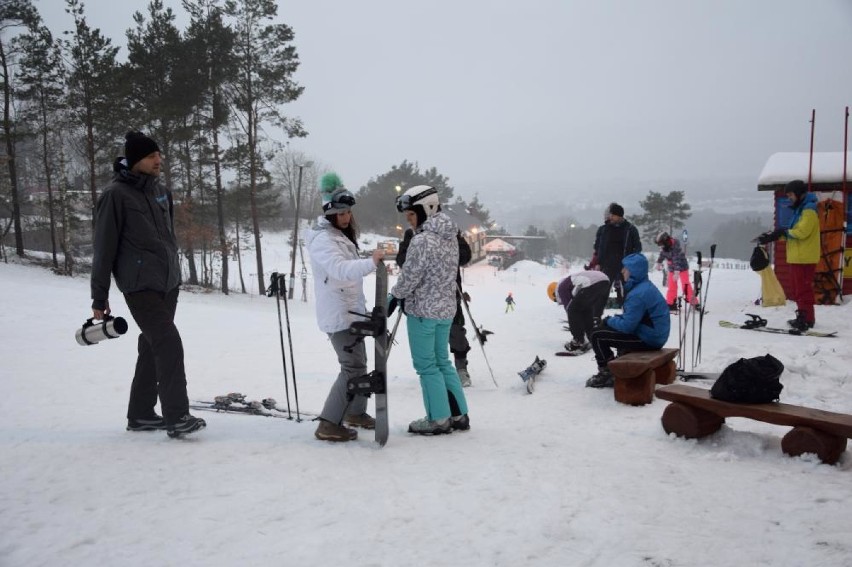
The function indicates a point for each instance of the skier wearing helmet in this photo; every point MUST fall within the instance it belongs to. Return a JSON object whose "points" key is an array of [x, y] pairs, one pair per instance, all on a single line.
{"points": [[676, 263], [427, 283]]}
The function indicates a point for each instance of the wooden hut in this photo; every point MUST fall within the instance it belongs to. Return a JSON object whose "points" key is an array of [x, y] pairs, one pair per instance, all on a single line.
{"points": [[834, 272]]}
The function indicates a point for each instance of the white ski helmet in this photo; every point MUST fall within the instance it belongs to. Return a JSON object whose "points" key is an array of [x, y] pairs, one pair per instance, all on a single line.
{"points": [[425, 196]]}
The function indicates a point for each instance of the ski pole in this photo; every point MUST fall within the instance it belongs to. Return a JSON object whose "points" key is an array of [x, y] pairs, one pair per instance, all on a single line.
{"points": [[704, 302], [292, 358], [392, 337], [480, 335], [275, 288]]}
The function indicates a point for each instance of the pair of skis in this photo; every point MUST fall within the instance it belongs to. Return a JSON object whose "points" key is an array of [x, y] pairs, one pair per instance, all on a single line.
{"points": [[236, 402]]}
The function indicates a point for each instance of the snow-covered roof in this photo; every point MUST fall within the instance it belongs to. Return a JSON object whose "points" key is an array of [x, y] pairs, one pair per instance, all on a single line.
{"points": [[784, 167], [498, 245]]}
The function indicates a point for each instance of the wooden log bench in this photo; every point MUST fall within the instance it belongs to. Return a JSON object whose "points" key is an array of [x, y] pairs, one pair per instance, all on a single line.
{"points": [[694, 414], [637, 373]]}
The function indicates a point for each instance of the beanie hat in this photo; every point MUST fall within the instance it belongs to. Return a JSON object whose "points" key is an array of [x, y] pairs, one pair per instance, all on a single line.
{"points": [[138, 146], [335, 197], [797, 187], [616, 209]]}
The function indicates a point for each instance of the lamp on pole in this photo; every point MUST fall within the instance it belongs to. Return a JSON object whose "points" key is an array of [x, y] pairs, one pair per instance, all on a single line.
{"points": [[296, 229]]}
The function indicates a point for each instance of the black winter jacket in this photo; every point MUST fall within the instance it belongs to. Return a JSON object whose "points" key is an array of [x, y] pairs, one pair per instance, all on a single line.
{"points": [[134, 238], [616, 241]]}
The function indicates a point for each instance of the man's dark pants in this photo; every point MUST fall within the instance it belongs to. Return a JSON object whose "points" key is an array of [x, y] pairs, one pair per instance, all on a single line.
{"points": [[159, 366]]}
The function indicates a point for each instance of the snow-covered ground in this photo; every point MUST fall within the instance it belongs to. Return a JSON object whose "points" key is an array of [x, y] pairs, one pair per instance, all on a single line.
{"points": [[565, 476]]}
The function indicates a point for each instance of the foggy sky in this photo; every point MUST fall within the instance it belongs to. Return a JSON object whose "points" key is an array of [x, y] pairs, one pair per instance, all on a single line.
{"points": [[547, 95]]}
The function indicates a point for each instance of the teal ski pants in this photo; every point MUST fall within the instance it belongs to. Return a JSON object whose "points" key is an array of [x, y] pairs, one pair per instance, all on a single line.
{"points": [[428, 340]]}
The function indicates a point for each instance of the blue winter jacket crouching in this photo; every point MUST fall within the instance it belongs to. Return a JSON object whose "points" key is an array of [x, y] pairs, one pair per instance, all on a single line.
{"points": [[646, 313]]}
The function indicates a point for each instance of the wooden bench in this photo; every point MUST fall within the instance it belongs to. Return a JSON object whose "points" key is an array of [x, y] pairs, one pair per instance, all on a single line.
{"points": [[637, 373], [693, 414]]}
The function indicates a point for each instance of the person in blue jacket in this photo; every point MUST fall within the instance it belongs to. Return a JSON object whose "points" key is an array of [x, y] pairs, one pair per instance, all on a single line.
{"points": [[644, 324]]}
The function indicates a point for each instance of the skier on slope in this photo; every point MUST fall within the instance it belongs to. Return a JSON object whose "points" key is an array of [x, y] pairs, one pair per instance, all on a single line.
{"points": [[427, 283], [338, 285], [676, 263]]}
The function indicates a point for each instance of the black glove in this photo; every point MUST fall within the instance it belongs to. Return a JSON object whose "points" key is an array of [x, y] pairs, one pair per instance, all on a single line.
{"points": [[393, 302], [466, 296], [772, 236], [602, 324]]}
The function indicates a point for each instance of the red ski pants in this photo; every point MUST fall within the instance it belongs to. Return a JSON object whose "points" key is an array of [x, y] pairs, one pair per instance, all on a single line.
{"points": [[802, 288], [671, 294]]}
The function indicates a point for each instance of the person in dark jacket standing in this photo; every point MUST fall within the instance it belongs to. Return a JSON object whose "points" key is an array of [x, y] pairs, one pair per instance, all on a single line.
{"points": [[644, 325], [616, 239], [135, 242]]}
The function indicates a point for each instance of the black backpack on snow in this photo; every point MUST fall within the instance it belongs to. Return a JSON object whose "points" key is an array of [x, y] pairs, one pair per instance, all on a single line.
{"points": [[750, 381]]}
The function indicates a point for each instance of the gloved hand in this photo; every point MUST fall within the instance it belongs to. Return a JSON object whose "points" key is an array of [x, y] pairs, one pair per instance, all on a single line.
{"points": [[659, 266], [771, 236], [393, 302], [602, 324], [466, 296]]}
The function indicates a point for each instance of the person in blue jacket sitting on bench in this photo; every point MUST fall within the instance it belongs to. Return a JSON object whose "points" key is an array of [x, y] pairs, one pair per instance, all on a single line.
{"points": [[644, 324]]}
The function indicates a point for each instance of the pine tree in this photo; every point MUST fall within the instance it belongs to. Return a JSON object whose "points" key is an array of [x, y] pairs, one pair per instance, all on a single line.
{"points": [[93, 89], [662, 212], [42, 80], [13, 14], [266, 62]]}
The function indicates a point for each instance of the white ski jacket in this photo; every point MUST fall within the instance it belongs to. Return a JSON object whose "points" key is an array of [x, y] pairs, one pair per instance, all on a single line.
{"points": [[338, 276]]}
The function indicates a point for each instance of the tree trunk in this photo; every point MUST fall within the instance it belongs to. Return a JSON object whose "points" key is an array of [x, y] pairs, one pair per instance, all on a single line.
{"points": [[189, 249], [252, 147], [10, 153], [220, 211], [48, 176]]}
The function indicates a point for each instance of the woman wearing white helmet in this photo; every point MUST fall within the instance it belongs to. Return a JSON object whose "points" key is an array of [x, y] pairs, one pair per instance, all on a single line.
{"points": [[427, 283]]}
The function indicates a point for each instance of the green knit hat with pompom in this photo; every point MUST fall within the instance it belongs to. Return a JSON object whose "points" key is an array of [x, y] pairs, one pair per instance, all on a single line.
{"points": [[329, 183]]}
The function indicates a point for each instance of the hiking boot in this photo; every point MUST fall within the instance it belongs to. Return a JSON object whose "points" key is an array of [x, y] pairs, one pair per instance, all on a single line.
{"points": [[328, 431], [603, 379], [184, 426], [364, 421], [460, 422], [575, 346], [425, 426], [152, 423], [464, 377]]}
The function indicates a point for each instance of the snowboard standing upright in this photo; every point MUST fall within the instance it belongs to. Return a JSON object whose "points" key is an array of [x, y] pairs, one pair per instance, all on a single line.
{"points": [[381, 355], [376, 381]]}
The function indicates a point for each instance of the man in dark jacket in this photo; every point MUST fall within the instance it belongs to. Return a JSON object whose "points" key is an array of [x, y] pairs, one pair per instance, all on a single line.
{"points": [[616, 239], [135, 242], [644, 325]]}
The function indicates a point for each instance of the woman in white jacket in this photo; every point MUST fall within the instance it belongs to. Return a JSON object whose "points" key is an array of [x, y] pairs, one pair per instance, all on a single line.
{"points": [[338, 273]]}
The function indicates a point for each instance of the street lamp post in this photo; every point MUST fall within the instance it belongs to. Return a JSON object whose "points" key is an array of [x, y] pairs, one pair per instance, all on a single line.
{"points": [[296, 230]]}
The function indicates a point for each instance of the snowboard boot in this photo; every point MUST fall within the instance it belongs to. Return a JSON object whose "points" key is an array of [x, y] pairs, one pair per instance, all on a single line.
{"points": [[577, 347], [364, 421], [673, 308], [328, 431], [425, 426], [464, 377], [460, 422], [152, 423], [184, 426], [799, 323], [603, 379]]}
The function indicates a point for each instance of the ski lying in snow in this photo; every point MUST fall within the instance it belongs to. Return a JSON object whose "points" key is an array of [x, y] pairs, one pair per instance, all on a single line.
{"points": [[530, 372], [759, 324], [690, 376], [237, 403]]}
